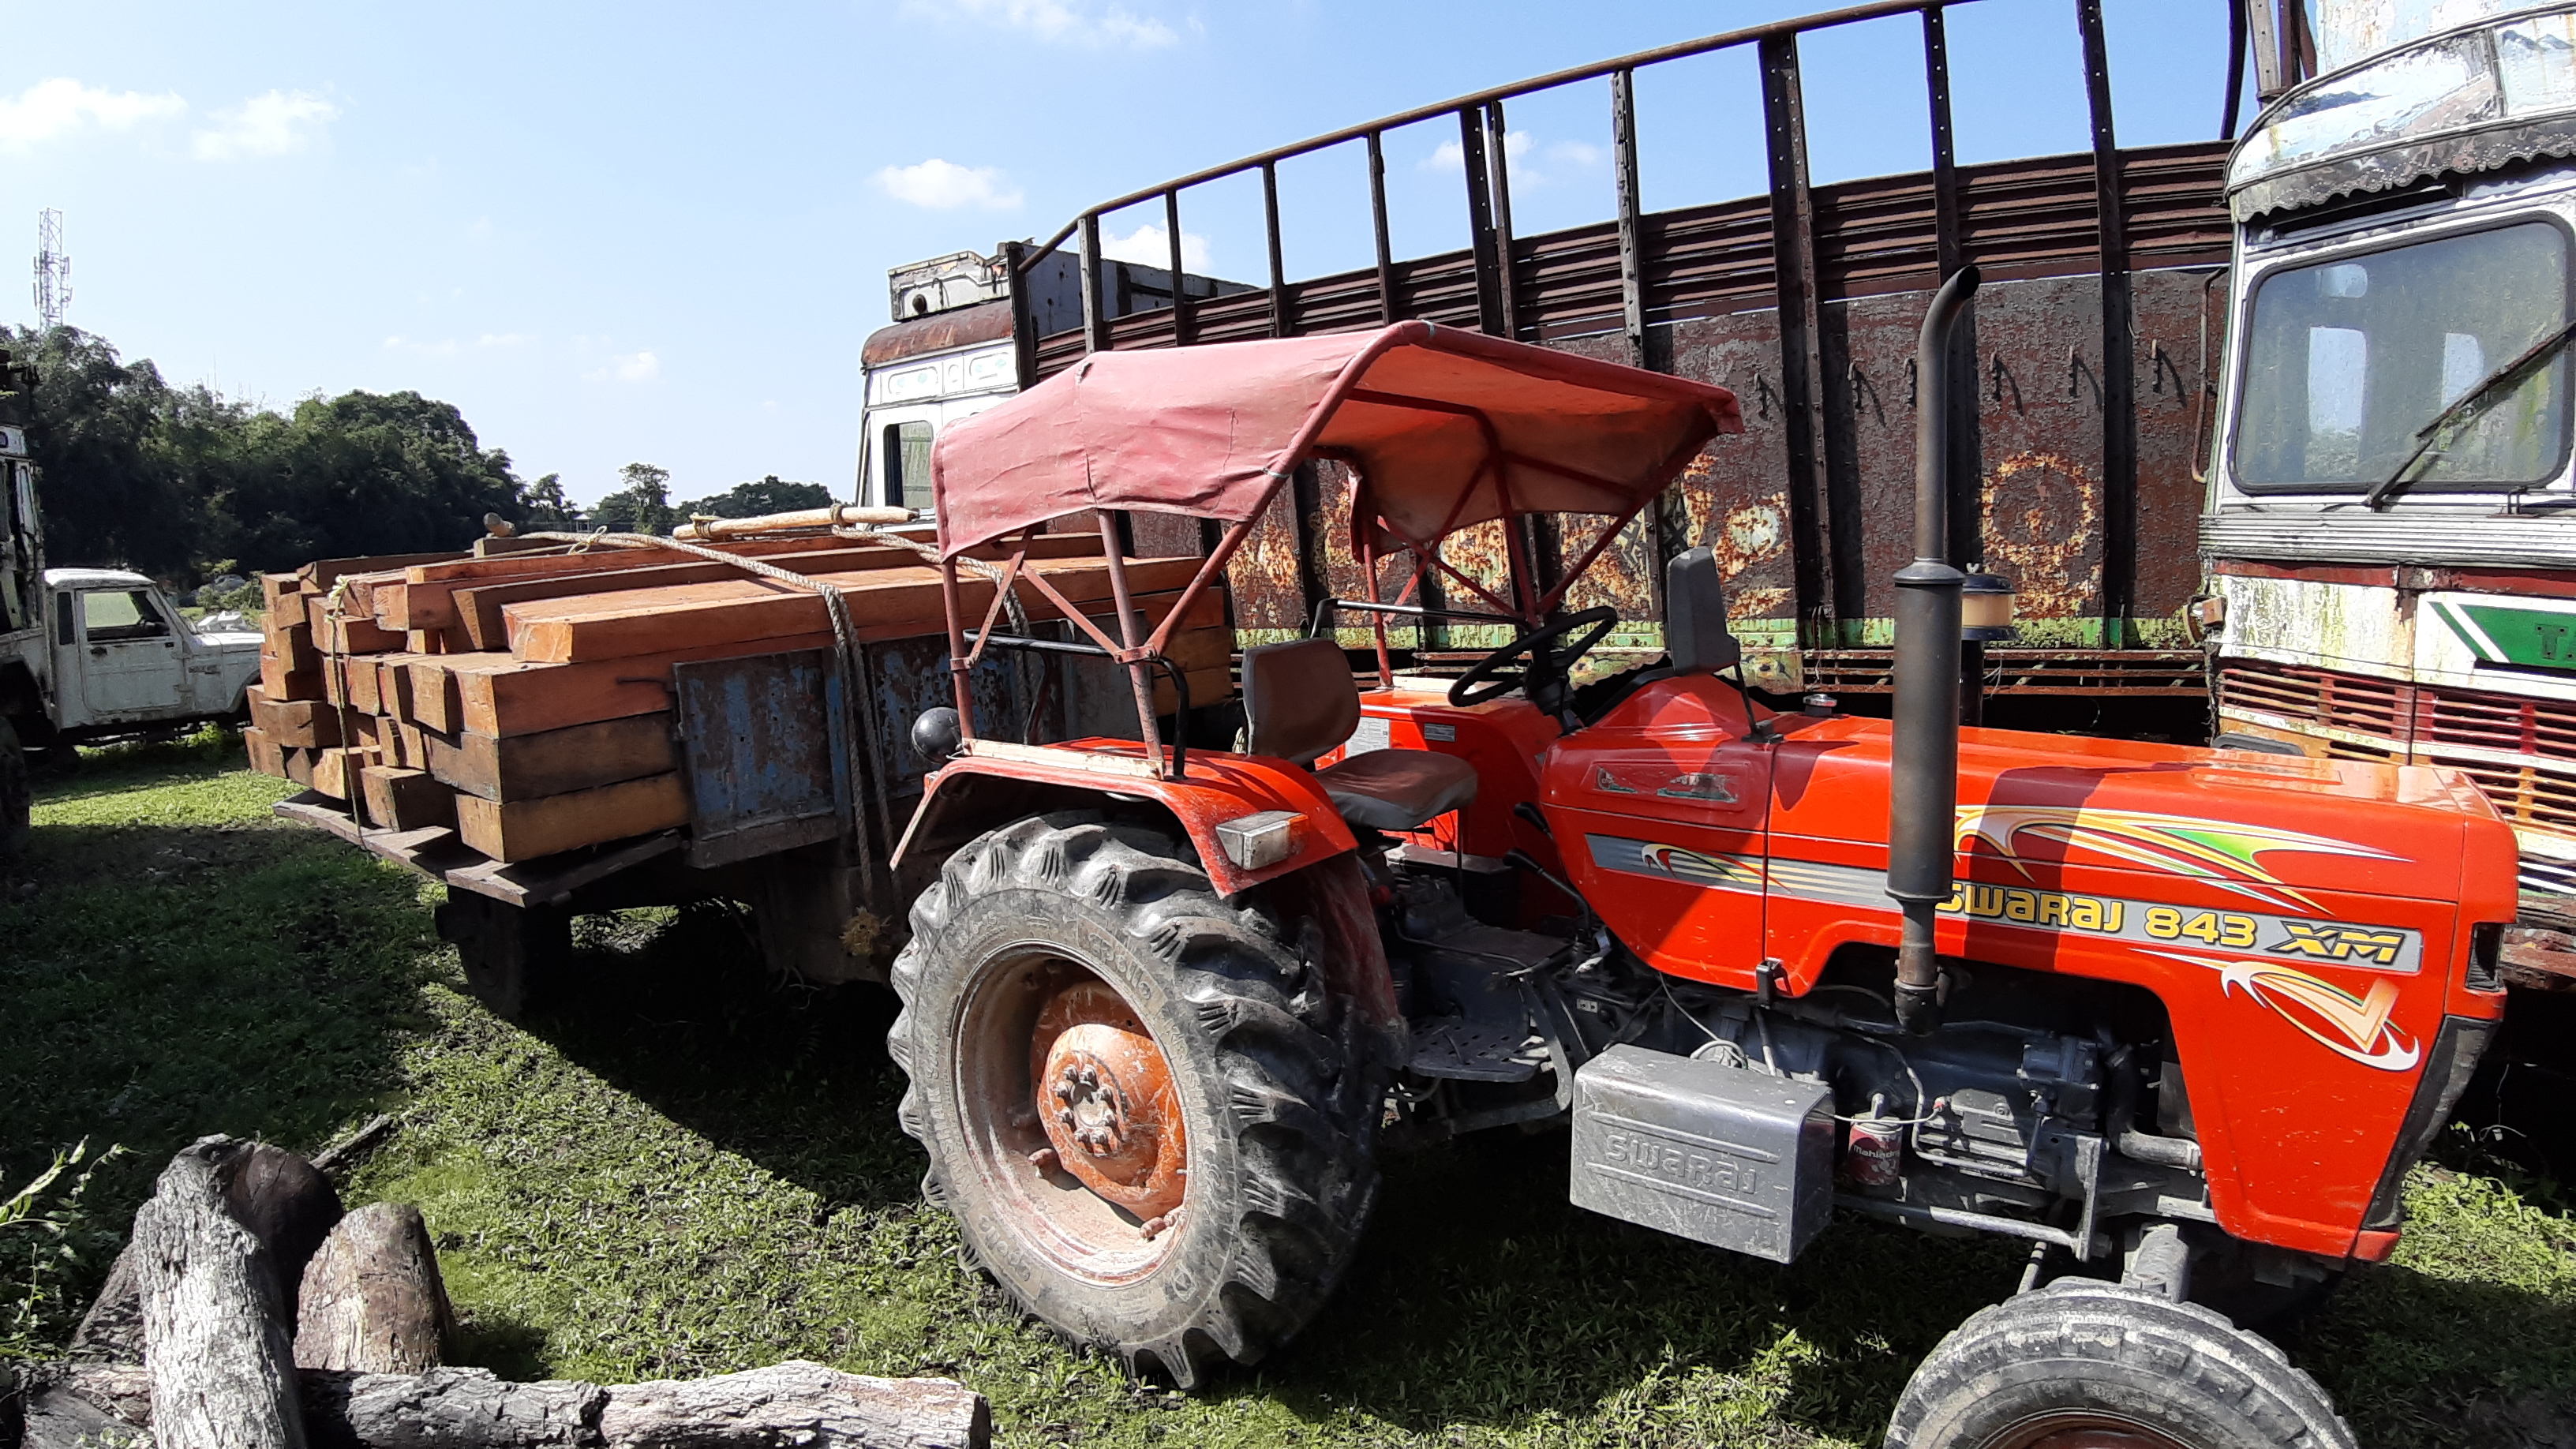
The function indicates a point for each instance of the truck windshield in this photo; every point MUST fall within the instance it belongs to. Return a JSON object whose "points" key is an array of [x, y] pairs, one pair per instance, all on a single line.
{"points": [[2346, 360]]}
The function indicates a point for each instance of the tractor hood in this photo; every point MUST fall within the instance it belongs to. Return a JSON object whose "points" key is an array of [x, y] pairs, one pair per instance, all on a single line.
{"points": [[2261, 828]]}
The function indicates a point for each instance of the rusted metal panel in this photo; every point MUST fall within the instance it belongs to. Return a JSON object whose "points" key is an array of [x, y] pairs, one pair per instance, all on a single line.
{"points": [[1708, 288], [1734, 496], [764, 753], [2018, 220], [1263, 577], [1018, 696]]}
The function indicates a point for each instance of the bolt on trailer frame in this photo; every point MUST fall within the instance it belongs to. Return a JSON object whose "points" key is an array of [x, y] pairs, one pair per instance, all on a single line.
{"points": [[2077, 395]]}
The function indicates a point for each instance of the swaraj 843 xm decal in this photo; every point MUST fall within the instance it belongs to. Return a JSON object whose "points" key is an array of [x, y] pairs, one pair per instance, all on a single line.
{"points": [[2224, 855]]}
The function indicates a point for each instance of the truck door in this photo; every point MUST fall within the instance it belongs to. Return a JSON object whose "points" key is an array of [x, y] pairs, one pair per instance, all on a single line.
{"points": [[128, 654]]}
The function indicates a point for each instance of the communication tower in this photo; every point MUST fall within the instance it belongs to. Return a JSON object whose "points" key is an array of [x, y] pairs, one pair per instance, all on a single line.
{"points": [[53, 269]]}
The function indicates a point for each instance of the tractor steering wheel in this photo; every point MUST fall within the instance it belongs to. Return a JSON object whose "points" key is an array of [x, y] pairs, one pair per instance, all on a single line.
{"points": [[1546, 661]]}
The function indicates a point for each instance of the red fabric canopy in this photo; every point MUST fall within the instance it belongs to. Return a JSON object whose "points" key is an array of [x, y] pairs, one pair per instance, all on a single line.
{"points": [[1447, 428]]}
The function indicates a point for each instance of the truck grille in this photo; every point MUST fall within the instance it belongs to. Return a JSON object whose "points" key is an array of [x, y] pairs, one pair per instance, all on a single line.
{"points": [[2522, 752]]}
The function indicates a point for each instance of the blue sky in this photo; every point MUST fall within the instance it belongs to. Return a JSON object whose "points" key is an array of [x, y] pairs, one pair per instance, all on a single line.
{"points": [[658, 232]]}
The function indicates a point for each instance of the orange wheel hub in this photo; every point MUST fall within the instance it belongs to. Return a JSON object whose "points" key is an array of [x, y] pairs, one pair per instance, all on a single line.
{"points": [[1106, 1101]]}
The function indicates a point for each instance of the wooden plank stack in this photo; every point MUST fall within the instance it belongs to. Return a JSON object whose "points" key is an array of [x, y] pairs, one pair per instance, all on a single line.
{"points": [[523, 699]]}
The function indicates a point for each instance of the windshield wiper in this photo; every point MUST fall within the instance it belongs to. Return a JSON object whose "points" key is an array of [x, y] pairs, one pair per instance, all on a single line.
{"points": [[2513, 372]]}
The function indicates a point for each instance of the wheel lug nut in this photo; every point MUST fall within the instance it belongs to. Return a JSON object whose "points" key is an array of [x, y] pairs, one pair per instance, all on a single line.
{"points": [[1045, 1160]]}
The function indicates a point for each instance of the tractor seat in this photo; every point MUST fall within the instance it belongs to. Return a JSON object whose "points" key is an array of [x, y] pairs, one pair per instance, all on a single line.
{"points": [[1299, 702]]}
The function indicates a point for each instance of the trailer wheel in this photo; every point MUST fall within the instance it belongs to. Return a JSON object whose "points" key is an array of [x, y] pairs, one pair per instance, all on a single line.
{"points": [[1133, 1100], [17, 795], [2082, 1364], [514, 956]]}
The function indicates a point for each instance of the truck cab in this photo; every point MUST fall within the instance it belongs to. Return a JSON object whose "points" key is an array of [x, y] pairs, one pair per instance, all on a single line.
{"points": [[123, 656], [2391, 516]]}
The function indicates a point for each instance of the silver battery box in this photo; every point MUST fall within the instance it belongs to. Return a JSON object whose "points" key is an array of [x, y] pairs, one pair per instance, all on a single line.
{"points": [[1718, 1154]]}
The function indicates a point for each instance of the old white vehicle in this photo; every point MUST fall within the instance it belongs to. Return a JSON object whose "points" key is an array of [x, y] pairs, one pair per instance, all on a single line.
{"points": [[90, 655]]}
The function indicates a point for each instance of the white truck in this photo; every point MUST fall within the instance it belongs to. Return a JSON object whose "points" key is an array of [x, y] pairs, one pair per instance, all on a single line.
{"points": [[89, 655]]}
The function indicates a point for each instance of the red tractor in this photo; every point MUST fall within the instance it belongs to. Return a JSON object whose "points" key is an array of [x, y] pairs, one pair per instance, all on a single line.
{"points": [[2180, 1018]]}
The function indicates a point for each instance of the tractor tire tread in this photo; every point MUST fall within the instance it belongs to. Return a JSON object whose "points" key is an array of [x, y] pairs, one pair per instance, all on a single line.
{"points": [[2117, 1348], [1303, 1137]]}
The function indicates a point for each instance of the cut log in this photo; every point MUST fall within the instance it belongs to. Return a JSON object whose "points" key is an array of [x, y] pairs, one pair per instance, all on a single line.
{"points": [[798, 1403], [478, 608], [373, 1301], [214, 1322], [394, 687], [335, 771], [450, 1408], [303, 723], [266, 756], [289, 1206], [275, 592], [289, 636], [299, 766], [279, 681], [350, 633], [688, 615], [528, 829], [88, 1406], [556, 762], [112, 1330], [366, 684], [426, 600], [433, 688], [400, 799], [319, 575]]}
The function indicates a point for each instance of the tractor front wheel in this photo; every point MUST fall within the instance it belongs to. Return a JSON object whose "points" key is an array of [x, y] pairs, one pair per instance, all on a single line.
{"points": [[2082, 1364], [1131, 1091]]}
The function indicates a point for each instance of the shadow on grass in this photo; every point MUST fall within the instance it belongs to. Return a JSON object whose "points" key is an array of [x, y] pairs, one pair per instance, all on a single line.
{"points": [[1480, 1297], [177, 965], [674, 1007]]}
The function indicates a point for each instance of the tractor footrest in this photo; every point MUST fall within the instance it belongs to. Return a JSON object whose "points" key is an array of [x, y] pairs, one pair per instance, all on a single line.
{"points": [[1462, 1050]]}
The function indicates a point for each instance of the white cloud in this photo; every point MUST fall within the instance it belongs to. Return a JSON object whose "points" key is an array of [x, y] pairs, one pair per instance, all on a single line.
{"points": [[279, 123], [62, 106], [1524, 153], [1061, 22], [629, 367], [945, 186], [1150, 245]]}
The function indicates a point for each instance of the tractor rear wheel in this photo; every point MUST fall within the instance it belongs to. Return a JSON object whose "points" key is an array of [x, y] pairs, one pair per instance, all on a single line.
{"points": [[1133, 1097], [2083, 1364]]}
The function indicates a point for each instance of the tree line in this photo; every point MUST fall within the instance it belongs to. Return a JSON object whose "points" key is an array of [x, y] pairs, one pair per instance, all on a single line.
{"points": [[181, 483]]}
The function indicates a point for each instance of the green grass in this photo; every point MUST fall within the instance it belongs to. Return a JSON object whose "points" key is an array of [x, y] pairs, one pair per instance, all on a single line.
{"points": [[689, 1171]]}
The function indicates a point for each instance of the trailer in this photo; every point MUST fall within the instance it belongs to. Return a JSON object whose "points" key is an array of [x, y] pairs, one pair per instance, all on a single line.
{"points": [[559, 726]]}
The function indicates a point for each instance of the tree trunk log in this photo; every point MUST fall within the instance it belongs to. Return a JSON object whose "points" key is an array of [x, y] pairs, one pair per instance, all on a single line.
{"points": [[450, 1408], [796, 1403], [373, 1302], [286, 1203], [214, 1322], [289, 1206], [103, 1404]]}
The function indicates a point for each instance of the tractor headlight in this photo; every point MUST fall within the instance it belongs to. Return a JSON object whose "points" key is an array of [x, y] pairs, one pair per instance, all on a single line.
{"points": [[1256, 842]]}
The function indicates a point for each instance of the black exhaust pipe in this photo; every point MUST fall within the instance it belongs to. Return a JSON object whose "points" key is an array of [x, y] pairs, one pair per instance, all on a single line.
{"points": [[1923, 784]]}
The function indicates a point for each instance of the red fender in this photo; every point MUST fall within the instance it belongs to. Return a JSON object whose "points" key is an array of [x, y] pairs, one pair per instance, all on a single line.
{"points": [[1319, 880]]}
